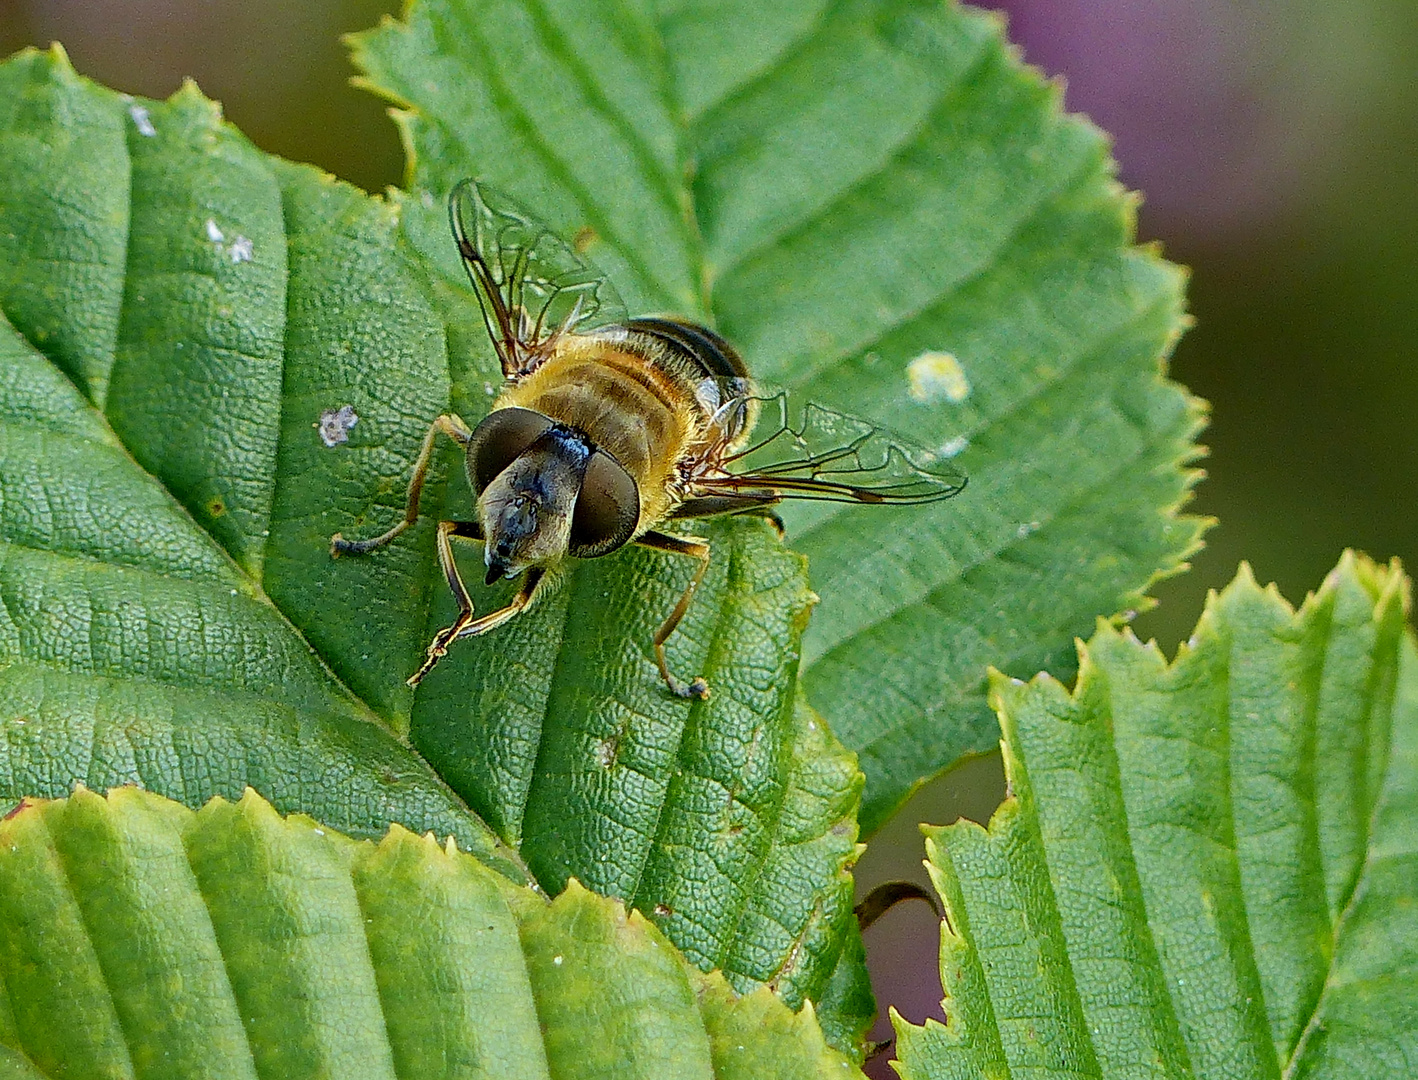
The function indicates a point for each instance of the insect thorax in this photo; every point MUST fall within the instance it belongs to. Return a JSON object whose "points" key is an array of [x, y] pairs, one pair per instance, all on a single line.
{"points": [[634, 394]]}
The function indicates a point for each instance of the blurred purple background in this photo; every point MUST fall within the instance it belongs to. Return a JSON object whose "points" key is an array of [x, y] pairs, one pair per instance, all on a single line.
{"points": [[1277, 145]]}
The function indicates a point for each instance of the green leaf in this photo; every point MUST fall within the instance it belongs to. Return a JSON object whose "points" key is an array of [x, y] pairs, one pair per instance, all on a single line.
{"points": [[145, 939], [1205, 868], [885, 212], [172, 616], [133, 647]]}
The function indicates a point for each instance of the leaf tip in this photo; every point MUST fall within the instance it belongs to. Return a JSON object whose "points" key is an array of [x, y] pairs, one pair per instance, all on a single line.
{"points": [[189, 96], [58, 55], [1245, 577]]}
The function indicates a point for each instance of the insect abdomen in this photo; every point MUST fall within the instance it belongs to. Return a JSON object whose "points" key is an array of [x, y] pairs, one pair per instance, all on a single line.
{"points": [[698, 343]]}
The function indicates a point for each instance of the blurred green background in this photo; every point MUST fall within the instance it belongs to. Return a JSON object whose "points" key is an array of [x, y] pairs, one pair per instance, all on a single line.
{"points": [[1277, 144]]}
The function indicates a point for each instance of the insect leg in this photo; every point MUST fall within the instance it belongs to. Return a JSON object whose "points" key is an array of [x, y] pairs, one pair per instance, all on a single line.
{"points": [[520, 603], [455, 429], [771, 516], [699, 549], [439, 646]]}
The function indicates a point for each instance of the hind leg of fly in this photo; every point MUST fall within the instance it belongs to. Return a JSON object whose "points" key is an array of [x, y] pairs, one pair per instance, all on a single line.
{"points": [[456, 430], [699, 549], [465, 625]]}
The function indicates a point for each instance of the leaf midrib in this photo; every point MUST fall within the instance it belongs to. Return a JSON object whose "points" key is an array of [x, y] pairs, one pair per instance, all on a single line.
{"points": [[912, 140], [1371, 859], [512, 108], [749, 886]]}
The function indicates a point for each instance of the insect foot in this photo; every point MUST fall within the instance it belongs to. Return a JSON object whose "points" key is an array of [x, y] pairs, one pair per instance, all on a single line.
{"points": [[437, 650], [697, 687]]}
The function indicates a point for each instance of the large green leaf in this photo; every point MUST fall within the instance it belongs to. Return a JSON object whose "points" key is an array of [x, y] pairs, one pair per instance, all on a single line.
{"points": [[1206, 868], [184, 309], [144, 939], [851, 191], [133, 648]]}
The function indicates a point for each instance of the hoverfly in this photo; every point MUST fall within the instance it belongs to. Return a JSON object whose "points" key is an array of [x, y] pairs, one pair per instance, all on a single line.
{"points": [[608, 427]]}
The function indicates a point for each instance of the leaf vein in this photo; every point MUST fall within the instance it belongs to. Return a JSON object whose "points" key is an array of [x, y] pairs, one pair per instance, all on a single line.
{"points": [[1331, 982], [935, 596], [518, 118], [1081, 361], [663, 185], [811, 33], [915, 140]]}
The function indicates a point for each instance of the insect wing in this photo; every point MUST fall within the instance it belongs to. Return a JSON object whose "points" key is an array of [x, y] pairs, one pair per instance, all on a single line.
{"points": [[816, 453], [531, 284]]}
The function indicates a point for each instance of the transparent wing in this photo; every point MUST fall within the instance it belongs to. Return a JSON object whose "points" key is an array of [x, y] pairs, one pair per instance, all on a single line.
{"points": [[531, 284], [816, 453]]}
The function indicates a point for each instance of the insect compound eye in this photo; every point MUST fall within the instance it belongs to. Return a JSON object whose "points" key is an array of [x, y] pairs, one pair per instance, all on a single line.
{"points": [[502, 437], [607, 510]]}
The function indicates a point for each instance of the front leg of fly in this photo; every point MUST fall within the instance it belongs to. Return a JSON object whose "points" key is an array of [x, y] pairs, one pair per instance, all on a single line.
{"points": [[465, 625], [438, 648], [449, 424]]}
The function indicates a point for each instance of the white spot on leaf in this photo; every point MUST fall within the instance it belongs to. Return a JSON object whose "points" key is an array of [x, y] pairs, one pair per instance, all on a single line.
{"points": [[938, 376], [214, 233], [954, 447], [606, 751], [241, 250], [141, 121], [334, 425]]}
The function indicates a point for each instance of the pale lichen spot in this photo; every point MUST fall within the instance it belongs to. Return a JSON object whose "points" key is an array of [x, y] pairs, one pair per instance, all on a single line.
{"points": [[214, 232], [241, 250], [1027, 529], [955, 447], [334, 425], [142, 121], [426, 197], [607, 750], [938, 376]]}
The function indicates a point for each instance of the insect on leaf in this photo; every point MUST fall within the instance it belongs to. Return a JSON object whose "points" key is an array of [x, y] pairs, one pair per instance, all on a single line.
{"points": [[887, 214], [236, 358]]}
